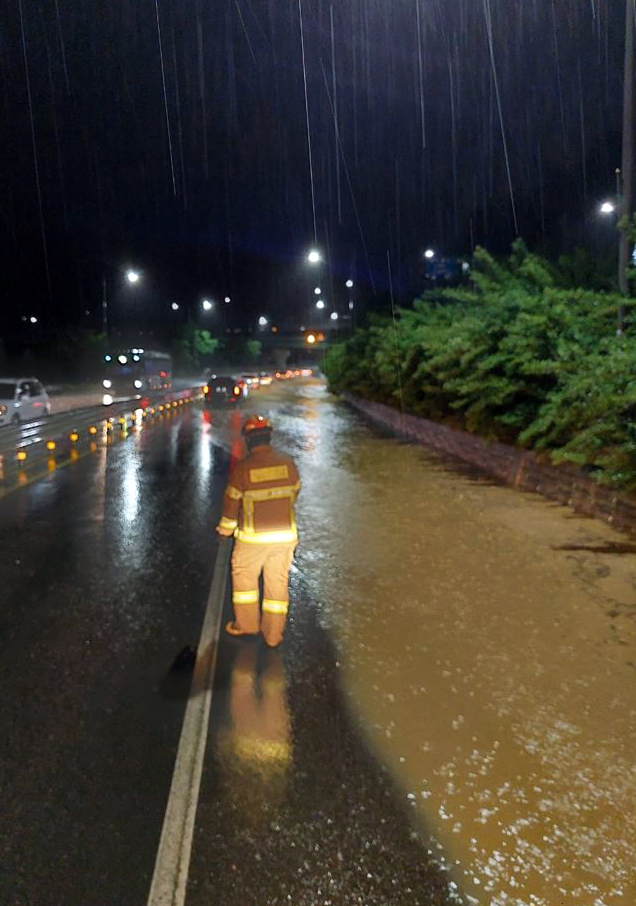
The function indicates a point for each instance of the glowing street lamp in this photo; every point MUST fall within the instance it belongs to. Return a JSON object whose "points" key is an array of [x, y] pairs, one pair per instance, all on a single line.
{"points": [[429, 254], [607, 209], [130, 275], [206, 305], [317, 291], [320, 304], [314, 257], [227, 300], [349, 284], [311, 339], [175, 306], [262, 321], [334, 315], [33, 319]]}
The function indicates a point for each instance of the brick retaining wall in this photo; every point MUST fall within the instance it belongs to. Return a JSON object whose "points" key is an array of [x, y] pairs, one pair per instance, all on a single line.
{"points": [[518, 468]]}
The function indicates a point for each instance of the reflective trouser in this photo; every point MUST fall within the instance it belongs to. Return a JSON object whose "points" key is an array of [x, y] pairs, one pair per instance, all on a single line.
{"points": [[248, 562]]}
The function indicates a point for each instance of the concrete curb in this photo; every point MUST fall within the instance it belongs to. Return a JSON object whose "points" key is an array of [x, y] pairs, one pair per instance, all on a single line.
{"points": [[520, 469]]}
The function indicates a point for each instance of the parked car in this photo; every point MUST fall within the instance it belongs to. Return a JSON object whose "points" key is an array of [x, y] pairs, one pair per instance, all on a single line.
{"points": [[222, 391], [22, 400]]}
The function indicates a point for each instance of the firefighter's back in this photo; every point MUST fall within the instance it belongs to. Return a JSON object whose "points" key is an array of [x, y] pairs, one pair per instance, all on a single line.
{"points": [[270, 486]]}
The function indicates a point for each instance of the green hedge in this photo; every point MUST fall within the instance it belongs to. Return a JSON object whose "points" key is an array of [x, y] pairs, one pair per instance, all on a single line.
{"points": [[517, 357]]}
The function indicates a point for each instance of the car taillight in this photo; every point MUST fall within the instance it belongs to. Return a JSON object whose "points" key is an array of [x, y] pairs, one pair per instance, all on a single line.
{"points": [[206, 389], [237, 390]]}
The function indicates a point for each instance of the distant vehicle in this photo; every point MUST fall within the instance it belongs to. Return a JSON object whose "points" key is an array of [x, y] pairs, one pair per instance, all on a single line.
{"points": [[252, 380], [22, 400], [222, 391], [132, 372], [242, 385], [265, 379]]}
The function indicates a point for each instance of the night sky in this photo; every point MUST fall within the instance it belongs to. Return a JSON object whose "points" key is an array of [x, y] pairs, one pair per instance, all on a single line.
{"points": [[206, 187]]}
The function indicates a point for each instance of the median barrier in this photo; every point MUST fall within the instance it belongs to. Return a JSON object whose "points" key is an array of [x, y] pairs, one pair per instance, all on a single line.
{"points": [[59, 435]]}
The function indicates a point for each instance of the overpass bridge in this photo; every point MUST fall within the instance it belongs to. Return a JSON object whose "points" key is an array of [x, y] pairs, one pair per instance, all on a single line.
{"points": [[282, 346]]}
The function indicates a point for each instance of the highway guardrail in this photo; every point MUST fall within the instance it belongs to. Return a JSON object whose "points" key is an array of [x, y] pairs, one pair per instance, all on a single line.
{"points": [[59, 435]]}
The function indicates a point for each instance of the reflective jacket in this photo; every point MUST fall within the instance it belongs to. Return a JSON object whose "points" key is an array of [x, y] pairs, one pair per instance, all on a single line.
{"points": [[258, 505]]}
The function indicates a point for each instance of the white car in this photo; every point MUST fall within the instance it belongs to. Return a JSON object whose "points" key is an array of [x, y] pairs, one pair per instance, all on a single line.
{"points": [[22, 400]]}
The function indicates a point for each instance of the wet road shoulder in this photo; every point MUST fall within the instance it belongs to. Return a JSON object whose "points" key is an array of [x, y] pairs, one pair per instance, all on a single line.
{"points": [[294, 808]]}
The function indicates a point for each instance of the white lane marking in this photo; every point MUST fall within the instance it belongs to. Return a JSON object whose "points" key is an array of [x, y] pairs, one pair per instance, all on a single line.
{"points": [[170, 876]]}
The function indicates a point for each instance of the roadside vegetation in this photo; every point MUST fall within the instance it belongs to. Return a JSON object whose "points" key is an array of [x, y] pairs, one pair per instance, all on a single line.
{"points": [[519, 355]]}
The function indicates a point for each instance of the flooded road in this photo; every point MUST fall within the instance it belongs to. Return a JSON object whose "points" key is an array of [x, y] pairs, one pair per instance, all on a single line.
{"points": [[294, 808], [456, 689], [488, 645]]}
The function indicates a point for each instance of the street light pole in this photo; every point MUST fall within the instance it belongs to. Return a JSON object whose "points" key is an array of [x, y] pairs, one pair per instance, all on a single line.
{"points": [[132, 276], [104, 307], [352, 312], [627, 167]]}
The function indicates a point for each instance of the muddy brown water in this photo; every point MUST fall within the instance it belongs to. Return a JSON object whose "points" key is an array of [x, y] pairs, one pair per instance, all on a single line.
{"points": [[488, 646]]}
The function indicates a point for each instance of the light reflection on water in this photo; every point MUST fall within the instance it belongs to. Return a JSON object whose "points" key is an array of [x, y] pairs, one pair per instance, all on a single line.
{"points": [[257, 737], [493, 673], [174, 434], [130, 487]]}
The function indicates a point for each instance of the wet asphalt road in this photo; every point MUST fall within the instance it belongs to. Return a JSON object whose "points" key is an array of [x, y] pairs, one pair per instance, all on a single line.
{"points": [[105, 571], [104, 575], [294, 808]]}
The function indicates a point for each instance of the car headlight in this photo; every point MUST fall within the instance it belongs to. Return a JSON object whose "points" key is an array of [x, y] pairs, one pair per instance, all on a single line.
{"points": [[137, 384], [107, 399], [107, 384]]}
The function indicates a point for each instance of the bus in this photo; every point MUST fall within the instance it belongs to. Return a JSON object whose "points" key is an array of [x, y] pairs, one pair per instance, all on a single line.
{"points": [[133, 372]]}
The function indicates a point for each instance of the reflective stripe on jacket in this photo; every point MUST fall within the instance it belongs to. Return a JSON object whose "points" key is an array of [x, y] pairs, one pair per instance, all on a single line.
{"points": [[258, 505]]}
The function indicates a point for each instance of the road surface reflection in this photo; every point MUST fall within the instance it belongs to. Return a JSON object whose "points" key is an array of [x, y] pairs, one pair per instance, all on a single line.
{"points": [[255, 743]]}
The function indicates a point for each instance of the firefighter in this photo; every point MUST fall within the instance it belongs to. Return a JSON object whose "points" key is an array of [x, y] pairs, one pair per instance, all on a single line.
{"points": [[258, 509]]}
